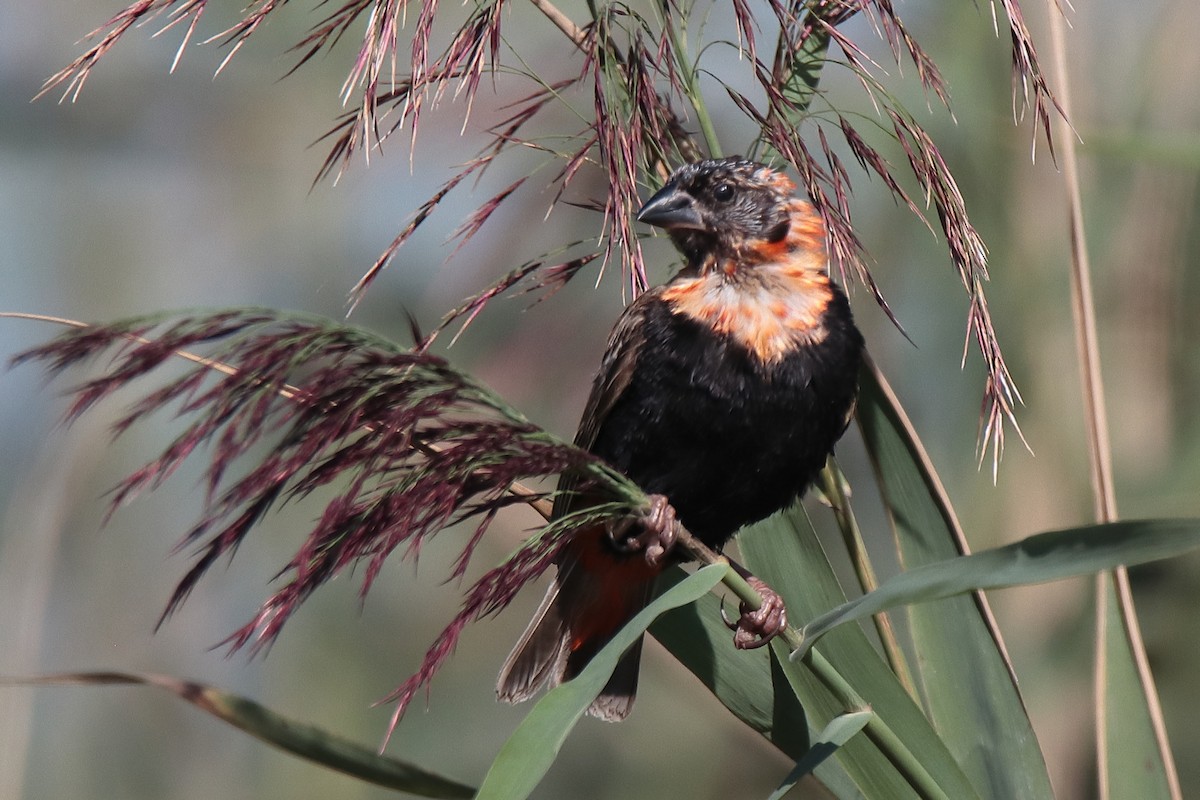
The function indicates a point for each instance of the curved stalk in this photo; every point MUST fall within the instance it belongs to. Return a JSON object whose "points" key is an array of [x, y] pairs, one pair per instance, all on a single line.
{"points": [[691, 86], [1100, 457]]}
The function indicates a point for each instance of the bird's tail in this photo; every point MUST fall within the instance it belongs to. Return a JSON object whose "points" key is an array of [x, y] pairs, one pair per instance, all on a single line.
{"points": [[595, 592]]}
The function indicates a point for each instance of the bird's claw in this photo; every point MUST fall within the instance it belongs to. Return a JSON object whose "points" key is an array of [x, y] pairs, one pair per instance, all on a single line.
{"points": [[729, 623], [757, 627], [659, 530]]}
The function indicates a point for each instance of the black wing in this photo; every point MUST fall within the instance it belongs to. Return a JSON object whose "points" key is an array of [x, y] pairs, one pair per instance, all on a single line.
{"points": [[615, 374]]}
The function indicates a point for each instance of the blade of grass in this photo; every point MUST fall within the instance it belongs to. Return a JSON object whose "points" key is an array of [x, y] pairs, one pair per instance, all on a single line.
{"points": [[967, 684], [836, 489], [530, 751], [1134, 768], [784, 552], [696, 637], [301, 739], [754, 688], [1043, 557], [839, 731]]}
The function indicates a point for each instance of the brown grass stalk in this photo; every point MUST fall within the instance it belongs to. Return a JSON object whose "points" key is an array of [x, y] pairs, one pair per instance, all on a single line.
{"points": [[1099, 449]]}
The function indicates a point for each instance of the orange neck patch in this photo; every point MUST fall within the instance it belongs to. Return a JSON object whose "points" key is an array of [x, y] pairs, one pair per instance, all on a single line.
{"points": [[771, 297]]}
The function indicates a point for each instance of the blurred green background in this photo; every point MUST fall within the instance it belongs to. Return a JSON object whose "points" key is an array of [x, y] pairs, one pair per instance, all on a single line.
{"points": [[159, 191]]}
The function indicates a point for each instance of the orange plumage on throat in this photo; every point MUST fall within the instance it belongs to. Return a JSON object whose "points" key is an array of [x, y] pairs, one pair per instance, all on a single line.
{"points": [[772, 297]]}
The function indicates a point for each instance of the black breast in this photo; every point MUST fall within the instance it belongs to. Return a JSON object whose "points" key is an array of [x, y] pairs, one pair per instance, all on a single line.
{"points": [[729, 439]]}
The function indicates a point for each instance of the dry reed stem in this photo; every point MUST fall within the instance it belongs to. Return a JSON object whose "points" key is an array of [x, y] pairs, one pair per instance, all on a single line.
{"points": [[1099, 449]]}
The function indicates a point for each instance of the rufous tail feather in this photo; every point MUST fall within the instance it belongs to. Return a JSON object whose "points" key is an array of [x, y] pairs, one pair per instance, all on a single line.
{"points": [[590, 599]]}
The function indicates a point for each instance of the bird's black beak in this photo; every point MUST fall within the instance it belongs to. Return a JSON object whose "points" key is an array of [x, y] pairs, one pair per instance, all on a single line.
{"points": [[671, 208]]}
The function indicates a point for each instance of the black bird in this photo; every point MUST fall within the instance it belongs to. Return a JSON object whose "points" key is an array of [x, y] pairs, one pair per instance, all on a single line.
{"points": [[721, 394]]}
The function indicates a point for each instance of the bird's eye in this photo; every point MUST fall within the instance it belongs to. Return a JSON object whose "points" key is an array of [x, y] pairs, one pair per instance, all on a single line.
{"points": [[723, 192]]}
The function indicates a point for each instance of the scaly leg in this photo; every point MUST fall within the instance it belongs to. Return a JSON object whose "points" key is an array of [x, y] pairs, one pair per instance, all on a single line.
{"points": [[658, 532], [756, 627]]}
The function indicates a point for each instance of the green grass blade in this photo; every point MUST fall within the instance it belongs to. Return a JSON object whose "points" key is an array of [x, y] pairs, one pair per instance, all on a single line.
{"points": [[839, 731], [1037, 559], [801, 84], [751, 684], [836, 489], [965, 678], [745, 682], [1134, 767], [527, 755], [785, 553], [306, 741]]}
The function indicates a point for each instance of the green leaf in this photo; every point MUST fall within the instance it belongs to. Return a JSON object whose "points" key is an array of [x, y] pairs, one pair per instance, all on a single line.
{"points": [[743, 681], [784, 552], [306, 741], [750, 683], [1037, 559], [1134, 768], [966, 681], [809, 61], [527, 755], [839, 731]]}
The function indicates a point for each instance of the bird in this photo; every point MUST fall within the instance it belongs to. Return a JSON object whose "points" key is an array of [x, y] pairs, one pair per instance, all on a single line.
{"points": [[721, 394]]}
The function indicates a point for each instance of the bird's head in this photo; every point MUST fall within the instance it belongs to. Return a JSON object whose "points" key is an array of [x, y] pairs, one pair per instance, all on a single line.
{"points": [[730, 211]]}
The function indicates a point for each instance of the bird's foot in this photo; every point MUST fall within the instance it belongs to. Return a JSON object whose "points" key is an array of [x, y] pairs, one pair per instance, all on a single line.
{"points": [[756, 627], [658, 532]]}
